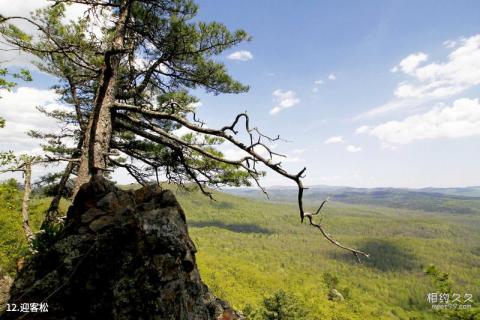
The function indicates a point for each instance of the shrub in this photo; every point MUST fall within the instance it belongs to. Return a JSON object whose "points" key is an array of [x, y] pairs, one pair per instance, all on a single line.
{"points": [[282, 306]]}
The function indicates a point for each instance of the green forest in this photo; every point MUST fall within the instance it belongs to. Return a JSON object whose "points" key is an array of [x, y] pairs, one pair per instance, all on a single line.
{"points": [[257, 256]]}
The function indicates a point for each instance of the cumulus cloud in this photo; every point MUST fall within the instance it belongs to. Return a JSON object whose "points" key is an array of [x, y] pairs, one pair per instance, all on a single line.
{"points": [[436, 80], [195, 105], [331, 76], [21, 8], [390, 106], [316, 84], [462, 119], [141, 62], [353, 149], [334, 140], [24, 8], [362, 129], [180, 132], [444, 79], [410, 63], [284, 100], [19, 110], [242, 55]]}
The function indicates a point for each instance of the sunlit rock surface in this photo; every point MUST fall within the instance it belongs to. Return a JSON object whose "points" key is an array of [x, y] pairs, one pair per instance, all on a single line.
{"points": [[122, 255]]}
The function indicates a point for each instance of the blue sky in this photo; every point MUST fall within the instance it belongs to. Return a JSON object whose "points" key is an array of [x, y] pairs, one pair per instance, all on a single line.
{"points": [[406, 73], [296, 43]]}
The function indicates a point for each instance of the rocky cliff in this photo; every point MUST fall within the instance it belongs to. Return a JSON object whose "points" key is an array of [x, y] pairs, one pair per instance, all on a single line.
{"points": [[121, 255]]}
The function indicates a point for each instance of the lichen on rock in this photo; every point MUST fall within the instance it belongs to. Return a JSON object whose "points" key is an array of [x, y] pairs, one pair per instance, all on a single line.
{"points": [[121, 255]]}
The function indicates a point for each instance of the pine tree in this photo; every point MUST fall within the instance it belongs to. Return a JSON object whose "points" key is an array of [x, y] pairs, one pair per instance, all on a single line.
{"points": [[283, 306], [127, 67], [9, 162]]}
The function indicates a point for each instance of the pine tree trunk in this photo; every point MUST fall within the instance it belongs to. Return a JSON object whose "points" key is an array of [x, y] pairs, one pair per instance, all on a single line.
{"points": [[52, 210], [27, 175], [97, 136]]}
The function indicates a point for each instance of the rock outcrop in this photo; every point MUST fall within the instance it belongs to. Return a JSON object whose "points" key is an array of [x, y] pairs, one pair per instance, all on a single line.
{"points": [[334, 295], [5, 284], [121, 255]]}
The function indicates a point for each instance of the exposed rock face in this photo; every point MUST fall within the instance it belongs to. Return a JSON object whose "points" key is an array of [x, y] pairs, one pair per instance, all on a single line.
{"points": [[122, 255], [5, 284], [334, 295]]}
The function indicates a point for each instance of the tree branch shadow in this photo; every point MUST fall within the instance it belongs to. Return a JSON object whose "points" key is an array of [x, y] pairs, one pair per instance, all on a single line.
{"points": [[385, 256], [234, 227]]}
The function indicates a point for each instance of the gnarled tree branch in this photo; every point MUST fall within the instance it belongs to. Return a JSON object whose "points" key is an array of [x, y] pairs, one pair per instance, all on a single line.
{"points": [[141, 124]]}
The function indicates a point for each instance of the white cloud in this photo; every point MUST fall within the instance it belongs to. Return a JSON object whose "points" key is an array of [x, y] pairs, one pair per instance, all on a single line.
{"points": [[435, 80], [283, 100], [316, 84], [195, 105], [275, 110], [242, 55], [19, 110], [334, 140], [362, 129], [352, 148], [233, 154], [142, 63], [331, 76], [410, 63], [390, 106], [24, 8], [449, 44], [182, 131], [460, 72], [462, 119], [20, 8]]}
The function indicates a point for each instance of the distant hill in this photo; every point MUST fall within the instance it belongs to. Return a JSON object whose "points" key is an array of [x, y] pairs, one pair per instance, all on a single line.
{"points": [[450, 200], [466, 191]]}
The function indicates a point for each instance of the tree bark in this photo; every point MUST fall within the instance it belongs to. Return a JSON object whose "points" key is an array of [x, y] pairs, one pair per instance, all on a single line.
{"points": [[98, 133], [52, 210], [27, 176]]}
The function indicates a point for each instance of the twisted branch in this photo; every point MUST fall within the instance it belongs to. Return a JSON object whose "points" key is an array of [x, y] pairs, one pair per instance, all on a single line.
{"points": [[142, 125]]}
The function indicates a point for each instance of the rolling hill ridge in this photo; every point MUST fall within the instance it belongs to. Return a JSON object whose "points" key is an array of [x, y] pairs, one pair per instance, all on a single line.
{"points": [[448, 200]]}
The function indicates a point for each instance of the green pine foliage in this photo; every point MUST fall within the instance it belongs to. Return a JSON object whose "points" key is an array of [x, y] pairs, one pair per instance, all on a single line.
{"points": [[167, 54], [280, 305]]}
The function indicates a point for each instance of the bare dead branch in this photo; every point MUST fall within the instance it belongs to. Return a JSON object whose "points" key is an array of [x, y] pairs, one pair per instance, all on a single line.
{"points": [[135, 125]]}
